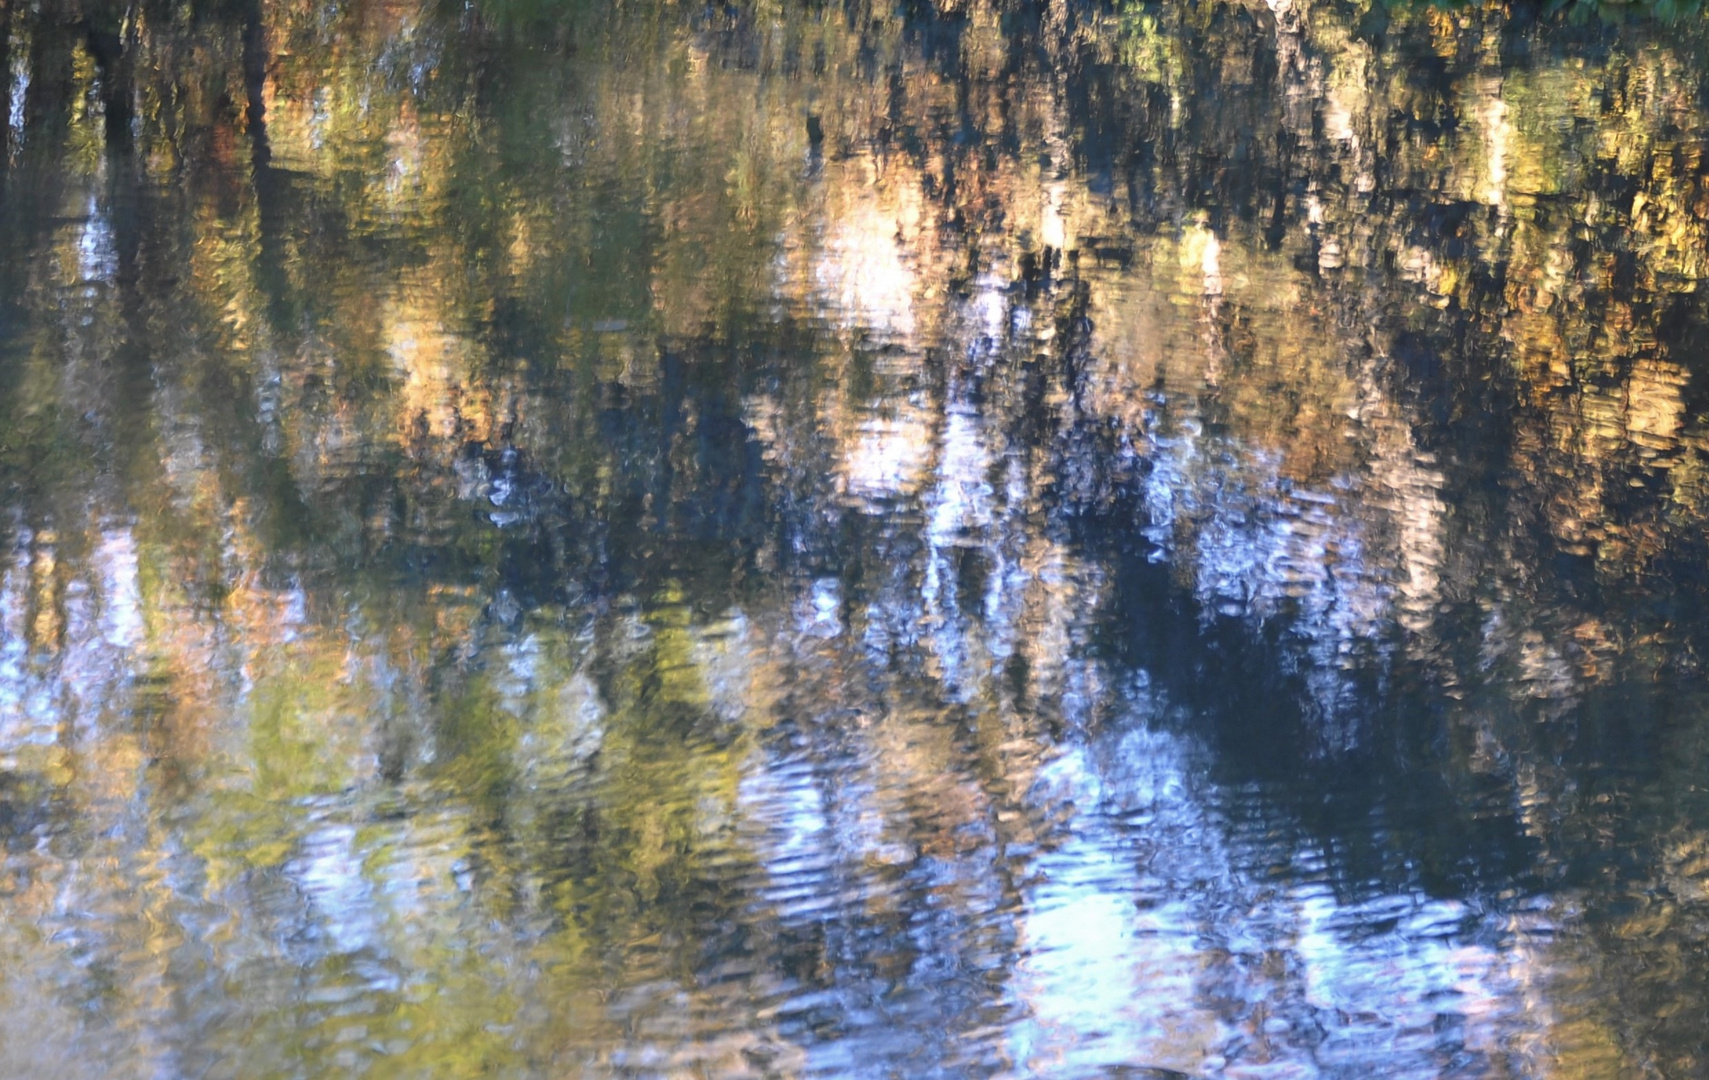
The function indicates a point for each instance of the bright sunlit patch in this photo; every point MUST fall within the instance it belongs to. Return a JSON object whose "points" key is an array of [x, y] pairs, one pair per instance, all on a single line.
{"points": [[889, 456], [862, 275]]}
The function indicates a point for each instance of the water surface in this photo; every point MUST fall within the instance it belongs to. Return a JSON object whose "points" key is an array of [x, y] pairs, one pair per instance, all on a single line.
{"points": [[987, 538]]}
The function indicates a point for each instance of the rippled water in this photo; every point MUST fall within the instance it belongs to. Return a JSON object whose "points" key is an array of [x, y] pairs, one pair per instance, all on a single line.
{"points": [[596, 538]]}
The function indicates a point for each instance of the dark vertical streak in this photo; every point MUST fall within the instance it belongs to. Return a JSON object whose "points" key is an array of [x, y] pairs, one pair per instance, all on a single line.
{"points": [[255, 83], [1278, 228], [272, 210], [104, 33], [270, 184]]}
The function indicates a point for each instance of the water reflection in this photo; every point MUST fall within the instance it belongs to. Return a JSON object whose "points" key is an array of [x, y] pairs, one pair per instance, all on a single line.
{"points": [[977, 539]]}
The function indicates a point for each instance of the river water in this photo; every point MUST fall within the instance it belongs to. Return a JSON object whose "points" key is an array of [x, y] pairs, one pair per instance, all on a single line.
{"points": [[620, 538]]}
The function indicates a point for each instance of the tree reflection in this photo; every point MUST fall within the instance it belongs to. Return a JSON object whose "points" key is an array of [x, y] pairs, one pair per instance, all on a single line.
{"points": [[971, 539]]}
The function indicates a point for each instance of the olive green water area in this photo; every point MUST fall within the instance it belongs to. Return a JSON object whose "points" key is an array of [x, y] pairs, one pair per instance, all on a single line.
{"points": [[966, 539]]}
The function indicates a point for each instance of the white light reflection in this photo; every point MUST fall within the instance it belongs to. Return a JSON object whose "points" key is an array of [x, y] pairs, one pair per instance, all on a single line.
{"points": [[862, 277], [97, 258], [20, 94], [1151, 942]]}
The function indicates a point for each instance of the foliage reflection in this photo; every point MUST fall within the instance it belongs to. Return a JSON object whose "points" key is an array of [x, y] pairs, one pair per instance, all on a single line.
{"points": [[980, 538]]}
